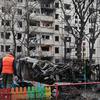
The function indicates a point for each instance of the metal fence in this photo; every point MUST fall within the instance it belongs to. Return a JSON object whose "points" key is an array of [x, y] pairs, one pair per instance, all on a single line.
{"points": [[58, 91]]}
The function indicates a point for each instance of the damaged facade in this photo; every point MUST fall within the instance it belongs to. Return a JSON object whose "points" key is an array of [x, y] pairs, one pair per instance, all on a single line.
{"points": [[48, 36], [46, 31]]}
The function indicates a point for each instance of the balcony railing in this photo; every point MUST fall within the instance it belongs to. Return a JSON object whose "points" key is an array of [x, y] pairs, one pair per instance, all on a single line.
{"points": [[43, 17], [44, 54], [42, 29]]}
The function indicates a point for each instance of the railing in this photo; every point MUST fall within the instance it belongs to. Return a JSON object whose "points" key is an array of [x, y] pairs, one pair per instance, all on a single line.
{"points": [[30, 93], [58, 91]]}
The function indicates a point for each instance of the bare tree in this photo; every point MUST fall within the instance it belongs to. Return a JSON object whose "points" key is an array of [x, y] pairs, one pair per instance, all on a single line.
{"points": [[8, 17], [28, 7], [81, 9], [94, 30], [10, 12]]}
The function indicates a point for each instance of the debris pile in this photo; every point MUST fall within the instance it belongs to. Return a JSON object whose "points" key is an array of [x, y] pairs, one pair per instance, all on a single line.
{"points": [[44, 71]]}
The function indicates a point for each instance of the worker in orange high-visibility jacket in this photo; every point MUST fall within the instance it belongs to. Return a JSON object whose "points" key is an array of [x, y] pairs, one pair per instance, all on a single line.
{"points": [[8, 69]]}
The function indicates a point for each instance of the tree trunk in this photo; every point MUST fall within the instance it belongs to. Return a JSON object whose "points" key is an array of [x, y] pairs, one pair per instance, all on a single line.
{"points": [[27, 27], [79, 49], [14, 42], [91, 52]]}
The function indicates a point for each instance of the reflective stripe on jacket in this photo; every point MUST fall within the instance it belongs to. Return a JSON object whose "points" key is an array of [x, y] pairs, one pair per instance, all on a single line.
{"points": [[7, 64]]}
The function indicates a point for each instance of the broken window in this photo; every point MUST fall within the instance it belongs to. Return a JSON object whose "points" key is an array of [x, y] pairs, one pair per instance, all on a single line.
{"points": [[45, 48], [2, 35], [20, 0], [7, 22], [56, 60], [67, 28], [7, 47], [46, 24], [67, 6], [91, 30], [34, 23], [19, 11], [2, 48], [3, 9], [68, 50], [56, 27], [56, 5], [19, 35], [20, 24], [56, 16], [92, 20], [68, 39], [19, 48], [56, 49], [56, 38], [47, 37], [67, 17], [2, 22], [7, 35]]}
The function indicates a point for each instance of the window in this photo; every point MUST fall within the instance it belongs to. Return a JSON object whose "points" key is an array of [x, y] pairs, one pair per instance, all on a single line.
{"points": [[56, 16], [2, 35], [20, 24], [19, 48], [7, 22], [68, 39], [91, 0], [91, 30], [46, 48], [2, 22], [67, 28], [47, 37], [7, 35], [20, 0], [7, 48], [2, 48], [67, 6], [76, 21], [56, 60], [3, 9], [34, 23], [56, 38], [91, 10], [19, 35], [99, 11], [32, 0], [56, 27], [68, 50], [19, 11], [76, 17], [56, 5], [92, 20], [56, 50], [68, 17]]}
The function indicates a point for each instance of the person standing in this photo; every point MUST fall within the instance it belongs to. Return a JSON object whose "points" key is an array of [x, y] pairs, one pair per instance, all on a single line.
{"points": [[8, 69]]}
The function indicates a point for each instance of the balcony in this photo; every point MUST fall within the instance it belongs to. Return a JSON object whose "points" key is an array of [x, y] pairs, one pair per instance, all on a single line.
{"points": [[47, 42], [46, 18], [42, 29], [47, 6], [44, 54], [43, 17]]}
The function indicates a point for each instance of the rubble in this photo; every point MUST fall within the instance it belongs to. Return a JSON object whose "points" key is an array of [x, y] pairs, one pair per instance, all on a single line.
{"points": [[44, 71]]}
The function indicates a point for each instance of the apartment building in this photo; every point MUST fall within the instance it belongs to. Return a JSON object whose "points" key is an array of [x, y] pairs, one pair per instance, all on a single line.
{"points": [[48, 35], [46, 29]]}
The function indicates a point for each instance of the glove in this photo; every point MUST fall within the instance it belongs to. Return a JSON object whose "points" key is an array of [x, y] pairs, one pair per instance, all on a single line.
{"points": [[15, 78]]}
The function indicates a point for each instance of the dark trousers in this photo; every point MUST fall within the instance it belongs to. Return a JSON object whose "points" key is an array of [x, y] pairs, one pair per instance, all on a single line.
{"points": [[7, 80]]}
